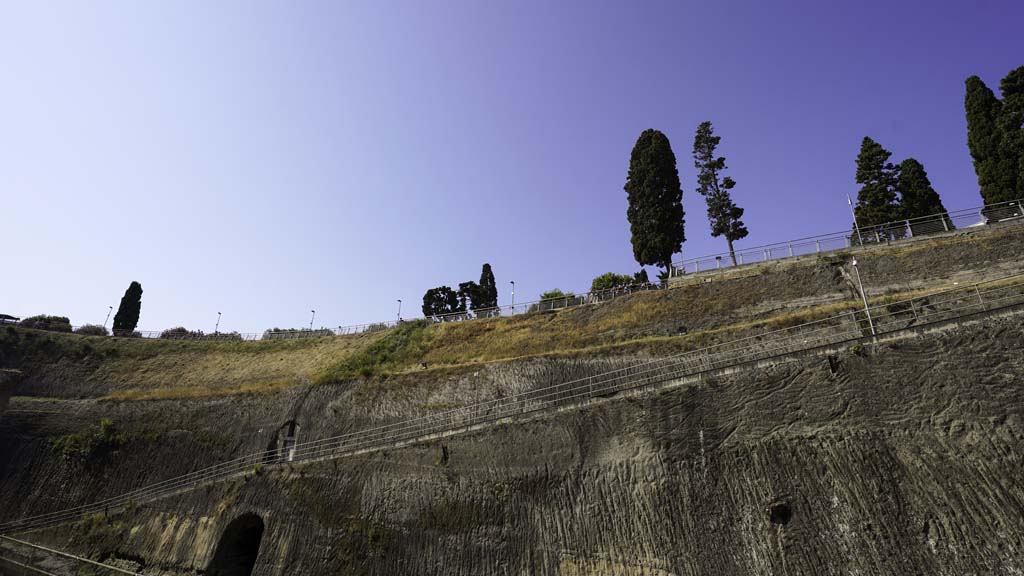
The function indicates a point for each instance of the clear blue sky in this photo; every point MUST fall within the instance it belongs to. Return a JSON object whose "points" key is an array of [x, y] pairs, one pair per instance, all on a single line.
{"points": [[265, 158]]}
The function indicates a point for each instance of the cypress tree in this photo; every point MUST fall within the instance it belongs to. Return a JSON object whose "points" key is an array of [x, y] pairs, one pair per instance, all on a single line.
{"points": [[723, 214], [917, 197], [655, 211], [127, 317], [876, 200], [488, 288], [1011, 133], [983, 109]]}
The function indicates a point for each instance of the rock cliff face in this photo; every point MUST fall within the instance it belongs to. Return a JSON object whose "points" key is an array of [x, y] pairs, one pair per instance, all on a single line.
{"points": [[896, 458], [903, 457]]}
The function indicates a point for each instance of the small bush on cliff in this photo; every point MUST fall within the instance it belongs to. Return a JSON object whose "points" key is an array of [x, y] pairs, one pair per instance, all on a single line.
{"points": [[51, 323], [90, 443], [92, 330]]}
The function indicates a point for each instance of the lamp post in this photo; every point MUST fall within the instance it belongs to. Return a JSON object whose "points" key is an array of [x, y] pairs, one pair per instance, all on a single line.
{"points": [[311, 320], [399, 309], [217, 327], [513, 282], [863, 296], [110, 309], [860, 239]]}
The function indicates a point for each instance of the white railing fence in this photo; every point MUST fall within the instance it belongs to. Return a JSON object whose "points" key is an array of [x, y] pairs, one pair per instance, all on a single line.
{"points": [[893, 231], [848, 327]]}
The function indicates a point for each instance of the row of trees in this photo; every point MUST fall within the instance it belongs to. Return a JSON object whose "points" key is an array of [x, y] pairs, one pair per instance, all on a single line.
{"points": [[891, 192], [655, 212], [995, 136], [480, 298]]}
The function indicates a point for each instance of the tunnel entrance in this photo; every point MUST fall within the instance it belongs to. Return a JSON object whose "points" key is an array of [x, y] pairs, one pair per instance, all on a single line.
{"points": [[238, 547]]}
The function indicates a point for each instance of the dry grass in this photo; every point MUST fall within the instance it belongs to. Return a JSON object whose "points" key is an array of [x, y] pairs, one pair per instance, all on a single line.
{"points": [[197, 392]]}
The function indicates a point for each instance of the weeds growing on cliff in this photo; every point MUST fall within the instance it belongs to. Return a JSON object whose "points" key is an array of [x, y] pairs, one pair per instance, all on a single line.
{"points": [[91, 443], [399, 347]]}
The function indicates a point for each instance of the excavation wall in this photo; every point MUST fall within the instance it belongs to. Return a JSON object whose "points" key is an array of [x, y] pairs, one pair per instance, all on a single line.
{"points": [[897, 458]]}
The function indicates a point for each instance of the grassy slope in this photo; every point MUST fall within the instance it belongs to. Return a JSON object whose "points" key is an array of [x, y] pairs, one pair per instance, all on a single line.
{"points": [[647, 323]]}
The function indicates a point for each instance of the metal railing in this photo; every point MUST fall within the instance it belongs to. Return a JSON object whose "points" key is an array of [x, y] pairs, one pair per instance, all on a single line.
{"points": [[36, 559], [846, 327], [892, 231]]}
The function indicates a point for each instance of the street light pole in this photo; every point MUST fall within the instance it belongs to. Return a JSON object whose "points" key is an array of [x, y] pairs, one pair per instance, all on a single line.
{"points": [[217, 327], [860, 239], [863, 296], [311, 320], [110, 309], [513, 282], [399, 309]]}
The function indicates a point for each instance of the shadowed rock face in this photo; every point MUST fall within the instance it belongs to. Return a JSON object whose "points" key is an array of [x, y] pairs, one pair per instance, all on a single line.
{"points": [[898, 458]]}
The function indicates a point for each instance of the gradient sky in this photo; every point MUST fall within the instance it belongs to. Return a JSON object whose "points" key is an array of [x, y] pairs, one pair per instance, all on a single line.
{"points": [[266, 158]]}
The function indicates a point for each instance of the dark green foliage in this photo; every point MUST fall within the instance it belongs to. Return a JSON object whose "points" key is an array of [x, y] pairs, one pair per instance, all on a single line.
{"points": [[92, 330], [723, 214], [995, 136], [440, 301], [91, 443], [655, 211], [876, 202], [127, 317], [469, 296], [641, 277], [917, 197], [488, 289], [51, 323], [179, 333]]}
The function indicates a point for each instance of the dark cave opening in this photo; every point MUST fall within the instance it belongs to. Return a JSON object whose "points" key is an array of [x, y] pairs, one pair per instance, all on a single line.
{"points": [[780, 514], [238, 547]]}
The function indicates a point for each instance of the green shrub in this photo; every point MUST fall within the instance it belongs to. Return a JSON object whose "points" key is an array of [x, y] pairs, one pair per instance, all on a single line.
{"points": [[92, 330], [51, 323], [90, 443]]}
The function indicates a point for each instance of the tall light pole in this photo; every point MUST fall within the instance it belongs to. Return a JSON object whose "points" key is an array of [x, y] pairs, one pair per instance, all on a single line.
{"points": [[217, 327], [860, 239], [513, 282], [399, 309], [863, 296], [311, 320], [110, 309]]}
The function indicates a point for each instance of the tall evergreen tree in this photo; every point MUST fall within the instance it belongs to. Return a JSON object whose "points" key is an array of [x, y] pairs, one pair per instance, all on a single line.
{"points": [[723, 214], [127, 317], [655, 211], [1011, 132], [995, 136], [917, 197], [488, 288], [876, 200], [983, 109]]}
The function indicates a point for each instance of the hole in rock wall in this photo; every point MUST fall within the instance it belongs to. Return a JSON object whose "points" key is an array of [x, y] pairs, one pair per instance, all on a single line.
{"points": [[238, 547], [282, 444], [780, 514]]}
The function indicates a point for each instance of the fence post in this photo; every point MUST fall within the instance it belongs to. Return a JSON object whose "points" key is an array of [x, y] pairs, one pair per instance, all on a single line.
{"points": [[910, 231], [878, 238], [766, 257], [817, 245], [790, 248], [741, 257], [945, 222], [981, 300]]}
